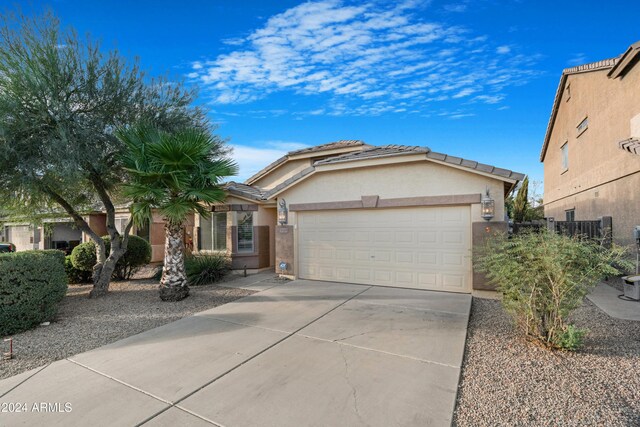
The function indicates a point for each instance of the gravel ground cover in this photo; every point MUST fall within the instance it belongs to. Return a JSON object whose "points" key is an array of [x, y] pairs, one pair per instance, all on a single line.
{"points": [[508, 381], [83, 324]]}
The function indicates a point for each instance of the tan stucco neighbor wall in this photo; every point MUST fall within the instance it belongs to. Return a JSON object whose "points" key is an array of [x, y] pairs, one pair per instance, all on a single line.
{"points": [[602, 179]]}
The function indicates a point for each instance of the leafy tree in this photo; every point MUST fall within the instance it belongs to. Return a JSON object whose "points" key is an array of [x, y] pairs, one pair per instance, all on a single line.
{"points": [[526, 205], [543, 277], [61, 98], [176, 174]]}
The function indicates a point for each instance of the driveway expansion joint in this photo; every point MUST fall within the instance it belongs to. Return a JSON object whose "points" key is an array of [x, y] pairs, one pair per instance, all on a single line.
{"points": [[168, 402], [289, 335], [40, 369], [416, 359]]}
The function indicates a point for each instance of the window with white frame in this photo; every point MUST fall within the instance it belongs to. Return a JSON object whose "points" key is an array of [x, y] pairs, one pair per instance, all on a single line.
{"points": [[121, 223], [213, 232], [565, 156], [245, 231]]}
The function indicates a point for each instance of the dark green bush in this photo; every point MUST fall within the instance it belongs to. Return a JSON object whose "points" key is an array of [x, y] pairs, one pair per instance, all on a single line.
{"points": [[543, 277], [32, 283], [138, 254], [206, 269], [75, 275]]}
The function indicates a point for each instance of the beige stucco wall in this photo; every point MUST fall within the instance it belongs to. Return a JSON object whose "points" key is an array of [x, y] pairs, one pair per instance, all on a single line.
{"points": [[602, 179], [283, 172], [421, 178]]}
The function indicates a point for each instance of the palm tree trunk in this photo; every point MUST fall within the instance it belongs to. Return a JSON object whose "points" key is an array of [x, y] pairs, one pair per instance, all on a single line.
{"points": [[173, 284]]}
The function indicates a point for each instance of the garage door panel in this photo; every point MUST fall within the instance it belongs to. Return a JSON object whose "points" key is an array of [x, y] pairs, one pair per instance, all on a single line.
{"points": [[428, 259], [427, 237], [383, 277], [382, 256], [426, 248], [428, 280], [360, 274], [362, 255], [453, 260], [404, 257]]}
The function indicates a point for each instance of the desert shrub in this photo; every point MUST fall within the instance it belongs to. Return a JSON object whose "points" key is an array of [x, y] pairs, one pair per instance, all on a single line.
{"points": [[206, 269], [75, 275], [138, 254], [543, 277], [32, 283]]}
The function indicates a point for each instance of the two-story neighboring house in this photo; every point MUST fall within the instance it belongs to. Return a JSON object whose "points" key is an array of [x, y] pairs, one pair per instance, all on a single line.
{"points": [[591, 166]]}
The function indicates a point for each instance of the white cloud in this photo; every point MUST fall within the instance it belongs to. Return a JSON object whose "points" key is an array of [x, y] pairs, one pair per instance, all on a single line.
{"points": [[577, 59], [455, 7], [362, 58], [252, 159]]}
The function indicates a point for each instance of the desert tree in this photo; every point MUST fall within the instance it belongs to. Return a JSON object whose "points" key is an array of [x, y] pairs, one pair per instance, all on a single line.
{"points": [[61, 99]]}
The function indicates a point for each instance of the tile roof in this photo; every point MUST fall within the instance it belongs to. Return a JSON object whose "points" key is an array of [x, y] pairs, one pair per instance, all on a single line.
{"points": [[396, 150], [343, 143], [374, 152], [258, 194], [592, 66], [631, 145], [244, 190]]}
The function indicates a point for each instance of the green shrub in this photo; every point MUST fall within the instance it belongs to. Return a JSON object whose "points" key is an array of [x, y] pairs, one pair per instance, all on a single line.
{"points": [[75, 275], [138, 254], [206, 269], [32, 283], [544, 277]]}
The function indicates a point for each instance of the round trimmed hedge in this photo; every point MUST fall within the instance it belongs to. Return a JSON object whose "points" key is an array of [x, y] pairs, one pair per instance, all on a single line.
{"points": [[83, 256], [75, 275], [32, 283]]}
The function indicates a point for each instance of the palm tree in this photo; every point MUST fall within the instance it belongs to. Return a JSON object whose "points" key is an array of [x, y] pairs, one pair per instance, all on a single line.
{"points": [[177, 174]]}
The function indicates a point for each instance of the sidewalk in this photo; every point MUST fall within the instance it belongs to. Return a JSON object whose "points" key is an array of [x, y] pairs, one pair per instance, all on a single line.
{"points": [[606, 298]]}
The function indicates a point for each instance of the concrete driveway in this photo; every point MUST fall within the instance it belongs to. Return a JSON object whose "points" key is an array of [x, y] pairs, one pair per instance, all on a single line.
{"points": [[300, 354]]}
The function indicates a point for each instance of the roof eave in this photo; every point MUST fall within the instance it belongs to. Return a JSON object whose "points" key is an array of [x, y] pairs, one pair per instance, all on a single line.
{"points": [[625, 62]]}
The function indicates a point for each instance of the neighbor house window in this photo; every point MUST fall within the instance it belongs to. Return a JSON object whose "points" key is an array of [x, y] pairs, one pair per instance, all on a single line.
{"points": [[213, 232], [568, 92], [582, 126], [570, 215], [245, 231], [121, 224], [565, 156]]}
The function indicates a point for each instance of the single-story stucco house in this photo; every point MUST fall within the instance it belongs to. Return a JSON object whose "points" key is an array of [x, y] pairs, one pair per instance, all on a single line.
{"points": [[59, 232], [349, 212], [345, 212]]}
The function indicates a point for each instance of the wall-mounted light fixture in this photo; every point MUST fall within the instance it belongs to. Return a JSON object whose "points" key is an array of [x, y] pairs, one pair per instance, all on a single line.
{"points": [[282, 212], [487, 206]]}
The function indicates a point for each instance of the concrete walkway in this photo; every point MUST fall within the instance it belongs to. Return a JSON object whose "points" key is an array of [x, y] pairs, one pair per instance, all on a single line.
{"points": [[297, 354], [606, 298]]}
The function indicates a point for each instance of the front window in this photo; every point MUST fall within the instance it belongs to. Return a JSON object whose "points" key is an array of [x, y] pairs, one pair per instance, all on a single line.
{"points": [[213, 232], [565, 156], [121, 224], [245, 231]]}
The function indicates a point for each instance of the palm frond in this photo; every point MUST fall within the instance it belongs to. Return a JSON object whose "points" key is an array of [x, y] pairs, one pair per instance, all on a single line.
{"points": [[175, 173]]}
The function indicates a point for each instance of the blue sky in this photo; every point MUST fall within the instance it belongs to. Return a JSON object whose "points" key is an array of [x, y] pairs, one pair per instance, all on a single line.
{"points": [[474, 79]]}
